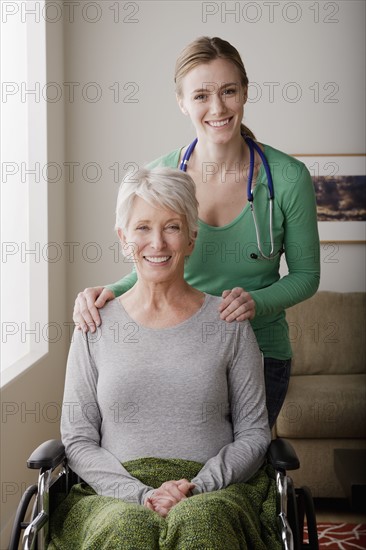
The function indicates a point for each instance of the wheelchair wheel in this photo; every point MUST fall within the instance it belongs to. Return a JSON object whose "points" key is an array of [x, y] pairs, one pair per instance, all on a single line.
{"points": [[19, 524], [293, 514], [305, 506]]}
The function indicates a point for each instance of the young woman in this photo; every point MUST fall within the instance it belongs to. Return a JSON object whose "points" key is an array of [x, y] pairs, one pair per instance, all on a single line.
{"points": [[240, 241]]}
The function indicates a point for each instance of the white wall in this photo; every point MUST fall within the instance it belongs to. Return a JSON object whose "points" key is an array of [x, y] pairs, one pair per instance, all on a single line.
{"points": [[322, 54]]}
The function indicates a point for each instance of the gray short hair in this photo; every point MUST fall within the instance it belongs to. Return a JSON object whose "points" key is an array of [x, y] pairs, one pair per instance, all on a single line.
{"points": [[166, 187]]}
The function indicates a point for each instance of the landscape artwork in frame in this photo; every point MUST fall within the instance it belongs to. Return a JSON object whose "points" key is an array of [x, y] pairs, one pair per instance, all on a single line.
{"points": [[340, 186]]}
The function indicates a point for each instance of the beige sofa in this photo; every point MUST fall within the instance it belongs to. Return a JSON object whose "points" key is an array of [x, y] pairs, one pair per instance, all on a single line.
{"points": [[325, 407]]}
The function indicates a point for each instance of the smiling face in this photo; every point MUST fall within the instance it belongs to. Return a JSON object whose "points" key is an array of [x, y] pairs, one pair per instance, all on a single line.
{"points": [[158, 240], [213, 97]]}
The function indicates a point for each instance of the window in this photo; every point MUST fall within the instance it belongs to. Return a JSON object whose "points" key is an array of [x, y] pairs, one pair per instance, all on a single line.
{"points": [[24, 268]]}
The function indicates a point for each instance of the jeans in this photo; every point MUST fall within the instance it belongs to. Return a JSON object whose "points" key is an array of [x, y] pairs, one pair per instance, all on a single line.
{"points": [[277, 376]]}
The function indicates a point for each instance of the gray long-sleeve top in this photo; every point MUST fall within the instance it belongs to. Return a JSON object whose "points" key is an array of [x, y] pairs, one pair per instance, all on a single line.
{"points": [[193, 391]]}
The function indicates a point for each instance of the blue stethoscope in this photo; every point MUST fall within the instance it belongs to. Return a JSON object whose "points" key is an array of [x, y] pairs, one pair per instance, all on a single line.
{"points": [[252, 146]]}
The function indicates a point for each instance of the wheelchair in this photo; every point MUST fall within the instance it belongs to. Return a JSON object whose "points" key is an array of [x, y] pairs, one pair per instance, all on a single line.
{"points": [[56, 479]]}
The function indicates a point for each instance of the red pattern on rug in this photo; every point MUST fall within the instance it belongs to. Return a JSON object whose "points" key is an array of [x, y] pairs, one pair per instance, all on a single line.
{"points": [[341, 536]]}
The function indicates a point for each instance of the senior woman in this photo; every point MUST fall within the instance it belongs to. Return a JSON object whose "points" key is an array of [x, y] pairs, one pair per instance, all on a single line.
{"points": [[164, 414]]}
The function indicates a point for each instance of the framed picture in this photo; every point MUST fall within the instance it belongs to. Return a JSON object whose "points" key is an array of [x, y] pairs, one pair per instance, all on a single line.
{"points": [[340, 185]]}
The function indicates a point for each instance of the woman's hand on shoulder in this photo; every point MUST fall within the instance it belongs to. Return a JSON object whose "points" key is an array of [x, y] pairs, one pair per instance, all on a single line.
{"points": [[86, 316], [237, 305], [168, 495]]}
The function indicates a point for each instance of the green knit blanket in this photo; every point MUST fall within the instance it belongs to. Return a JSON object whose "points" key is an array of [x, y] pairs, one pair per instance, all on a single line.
{"points": [[242, 516]]}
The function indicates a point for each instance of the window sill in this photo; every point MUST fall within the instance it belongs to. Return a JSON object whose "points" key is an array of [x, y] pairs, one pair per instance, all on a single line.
{"points": [[11, 373]]}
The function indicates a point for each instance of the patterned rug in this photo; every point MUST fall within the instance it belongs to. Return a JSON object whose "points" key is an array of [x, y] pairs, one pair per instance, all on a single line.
{"points": [[341, 536]]}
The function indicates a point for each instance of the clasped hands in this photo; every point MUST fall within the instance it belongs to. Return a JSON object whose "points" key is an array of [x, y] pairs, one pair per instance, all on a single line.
{"points": [[168, 495]]}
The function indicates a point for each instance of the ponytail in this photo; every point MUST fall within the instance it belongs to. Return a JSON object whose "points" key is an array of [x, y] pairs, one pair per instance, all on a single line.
{"points": [[245, 130]]}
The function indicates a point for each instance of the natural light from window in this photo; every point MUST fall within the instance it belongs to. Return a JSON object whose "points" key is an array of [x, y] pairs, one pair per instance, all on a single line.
{"points": [[24, 270]]}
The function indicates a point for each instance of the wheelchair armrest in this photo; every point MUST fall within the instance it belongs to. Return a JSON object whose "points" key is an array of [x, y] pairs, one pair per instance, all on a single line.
{"points": [[48, 455], [282, 456]]}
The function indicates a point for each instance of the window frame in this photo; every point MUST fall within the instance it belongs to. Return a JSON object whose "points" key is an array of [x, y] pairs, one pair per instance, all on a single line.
{"points": [[36, 306]]}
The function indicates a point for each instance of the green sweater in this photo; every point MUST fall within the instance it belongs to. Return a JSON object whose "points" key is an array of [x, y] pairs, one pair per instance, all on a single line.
{"points": [[222, 258]]}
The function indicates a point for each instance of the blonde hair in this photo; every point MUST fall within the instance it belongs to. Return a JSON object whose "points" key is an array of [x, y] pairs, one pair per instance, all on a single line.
{"points": [[166, 187], [204, 50]]}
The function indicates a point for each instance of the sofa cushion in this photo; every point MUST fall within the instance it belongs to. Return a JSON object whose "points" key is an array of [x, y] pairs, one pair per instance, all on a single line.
{"points": [[327, 334], [324, 406], [317, 465]]}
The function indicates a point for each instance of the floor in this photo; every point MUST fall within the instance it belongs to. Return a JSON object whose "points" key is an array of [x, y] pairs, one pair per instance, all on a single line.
{"points": [[337, 511]]}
